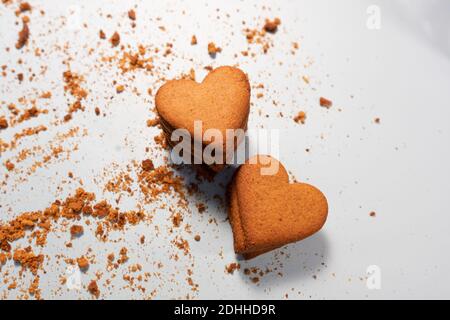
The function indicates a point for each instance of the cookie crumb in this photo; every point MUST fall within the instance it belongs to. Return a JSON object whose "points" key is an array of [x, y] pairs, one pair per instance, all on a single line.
{"points": [[9, 165], [102, 34], [147, 165], [324, 102], [115, 39], [193, 40], [372, 214], [152, 122], [120, 88], [230, 268], [197, 237], [76, 230], [93, 289], [132, 15], [272, 26], [83, 263], [24, 6], [23, 36], [377, 120], [213, 49], [3, 123], [255, 279], [300, 117]]}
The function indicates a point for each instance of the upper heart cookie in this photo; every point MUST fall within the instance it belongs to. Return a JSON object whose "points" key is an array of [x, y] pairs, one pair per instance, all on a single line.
{"points": [[221, 101], [267, 212]]}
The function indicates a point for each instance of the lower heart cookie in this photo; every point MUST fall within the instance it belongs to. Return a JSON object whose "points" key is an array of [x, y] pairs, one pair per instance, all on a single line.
{"points": [[267, 212]]}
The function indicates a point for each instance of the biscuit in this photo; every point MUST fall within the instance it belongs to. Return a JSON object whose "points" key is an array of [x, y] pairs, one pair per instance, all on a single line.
{"points": [[221, 101], [267, 212]]}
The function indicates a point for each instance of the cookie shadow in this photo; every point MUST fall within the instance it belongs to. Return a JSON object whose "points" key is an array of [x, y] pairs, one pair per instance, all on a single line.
{"points": [[288, 265], [212, 187]]}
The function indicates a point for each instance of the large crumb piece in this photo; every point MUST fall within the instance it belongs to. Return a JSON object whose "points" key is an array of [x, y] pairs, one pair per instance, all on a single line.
{"points": [[83, 263], [120, 88], [93, 289], [115, 39], [213, 49], [24, 6], [324, 102], [3, 123], [76, 230], [147, 165], [232, 267], [23, 36], [272, 26], [132, 14], [300, 117]]}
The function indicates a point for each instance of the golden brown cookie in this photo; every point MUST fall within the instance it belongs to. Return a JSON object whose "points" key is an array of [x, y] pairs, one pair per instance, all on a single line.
{"points": [[221, 101], [267, 212]]}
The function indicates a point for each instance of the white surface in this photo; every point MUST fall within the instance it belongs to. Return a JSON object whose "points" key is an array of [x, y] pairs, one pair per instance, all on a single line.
{"points": [[399, 168]]}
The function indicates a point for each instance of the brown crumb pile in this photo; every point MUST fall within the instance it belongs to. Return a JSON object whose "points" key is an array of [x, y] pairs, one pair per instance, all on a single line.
{"points": [[72, 85], [28, 260], [131, 61], [258, 35]]}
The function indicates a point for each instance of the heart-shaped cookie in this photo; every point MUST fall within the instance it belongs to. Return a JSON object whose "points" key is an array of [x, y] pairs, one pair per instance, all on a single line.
{"points": [[267, 212], [221, 101]]}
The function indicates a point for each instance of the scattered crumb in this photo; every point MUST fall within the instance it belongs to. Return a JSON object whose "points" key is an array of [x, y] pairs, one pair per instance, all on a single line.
{"points": [[300, 117], [76, 230], [3, 123], [272, 26], [115, 39], [230, 268], [83, 263], [23, 36], [93, 289], [132, 14], [212, 49], [120, 88], [325, 102]]}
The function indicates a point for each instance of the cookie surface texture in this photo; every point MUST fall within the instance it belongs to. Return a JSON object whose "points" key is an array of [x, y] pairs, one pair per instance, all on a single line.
{"points": [[267, 212]]}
